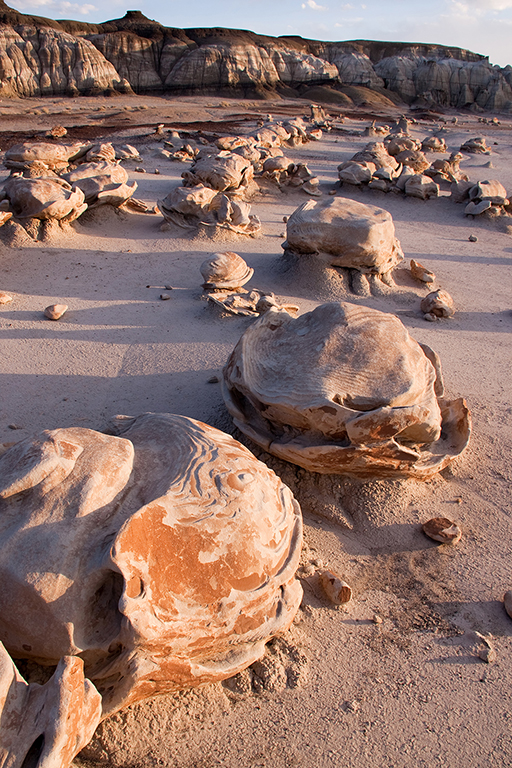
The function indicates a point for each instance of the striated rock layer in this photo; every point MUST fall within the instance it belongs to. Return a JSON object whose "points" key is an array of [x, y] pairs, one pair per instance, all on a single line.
{"points": [[40, 57]]}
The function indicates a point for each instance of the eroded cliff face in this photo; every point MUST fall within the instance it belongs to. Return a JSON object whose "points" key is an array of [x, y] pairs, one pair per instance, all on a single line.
{"points": [[45, 57]]}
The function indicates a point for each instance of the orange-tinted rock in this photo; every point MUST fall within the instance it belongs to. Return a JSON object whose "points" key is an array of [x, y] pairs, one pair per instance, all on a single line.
{"points": [[50, 722], [442, 529], [165, 557]]}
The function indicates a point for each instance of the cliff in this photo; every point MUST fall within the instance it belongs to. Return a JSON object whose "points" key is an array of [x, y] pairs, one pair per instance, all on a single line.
{"points": [[40, 56]]}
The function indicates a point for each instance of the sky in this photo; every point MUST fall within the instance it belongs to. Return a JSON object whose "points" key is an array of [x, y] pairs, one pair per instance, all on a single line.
{"points": [[483, 26]]}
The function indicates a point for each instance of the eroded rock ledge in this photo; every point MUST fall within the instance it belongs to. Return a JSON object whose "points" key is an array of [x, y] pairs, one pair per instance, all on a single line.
{"points": [[43, 57]]}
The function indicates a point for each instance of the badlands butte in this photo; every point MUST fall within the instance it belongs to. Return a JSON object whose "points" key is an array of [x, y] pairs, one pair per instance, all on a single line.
{"points": [[255, 411]]}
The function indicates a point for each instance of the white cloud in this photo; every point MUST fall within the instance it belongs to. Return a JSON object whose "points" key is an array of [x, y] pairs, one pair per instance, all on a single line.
{"points": [[57, 8], [314, 6]]}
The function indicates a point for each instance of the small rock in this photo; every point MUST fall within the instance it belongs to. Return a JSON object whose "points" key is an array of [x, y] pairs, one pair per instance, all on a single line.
{"points": [[14, 426], [309, 570], [337, 590], [213, 380], [507, 602], [443, 530], [138, 169], [168, 287], [377, 619], [156, 171], [438, 303], [487, 654], [473, 239], [317, 563], [282, 234], [55, 311], [430, 317], [419, 272], [285, 219], [332, 192], [165, 296], [5, 298]]}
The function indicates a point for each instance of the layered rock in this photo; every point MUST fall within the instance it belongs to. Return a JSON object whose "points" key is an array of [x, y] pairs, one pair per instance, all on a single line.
{"points": [[44, 57]]}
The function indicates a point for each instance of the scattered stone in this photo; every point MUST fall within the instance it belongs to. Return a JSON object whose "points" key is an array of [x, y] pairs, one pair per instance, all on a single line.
{"points": [[419, 272], [473, 239], [285, 219], [442, 529], [57, 132], [156, 171], [337, 590], [225, 271], [507, 602], [55, 311], [309, 570], [438, 303], [138, 169], [332, 192], [5, 298], [14, 426], [165, 296], [487, 654], [377, 619], [213, 380], [317, 563]]}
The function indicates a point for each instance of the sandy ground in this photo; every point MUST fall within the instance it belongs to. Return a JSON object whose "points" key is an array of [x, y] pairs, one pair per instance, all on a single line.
{"points": [[411, 690]]}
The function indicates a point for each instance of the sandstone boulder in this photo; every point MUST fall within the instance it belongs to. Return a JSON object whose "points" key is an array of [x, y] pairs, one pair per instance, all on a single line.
{"points": [[43, 198], [164, 556], [344, 389], [190, 207], [102, 183], [55, 157]]}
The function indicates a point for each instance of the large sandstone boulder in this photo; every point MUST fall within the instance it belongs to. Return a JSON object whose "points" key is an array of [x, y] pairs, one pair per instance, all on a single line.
{"points": [[163, 556], [102, 183], [344, 233], [344, 389], [191, 207], [224, 172], [54, 157]]}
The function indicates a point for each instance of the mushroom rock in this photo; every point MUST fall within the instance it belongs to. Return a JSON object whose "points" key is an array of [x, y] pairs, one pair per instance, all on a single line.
{"points": [[344, 233], [344, 389], [433, 144], [164, 555], [413, 159], [225, 271], [41, 198], [476, 146], [397, 143]]}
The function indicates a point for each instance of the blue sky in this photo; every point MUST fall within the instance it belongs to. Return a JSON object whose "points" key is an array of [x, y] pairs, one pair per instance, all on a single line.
{"points": [[484, 26]]}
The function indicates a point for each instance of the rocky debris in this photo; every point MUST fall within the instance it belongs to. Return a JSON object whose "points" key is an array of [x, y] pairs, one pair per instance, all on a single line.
{"points": [[476, 146], [5, 298], [344, 389], [191, 207], [102, 182], [100, 152], [159, 486], [437, 304], [475, 209], [507, 602], [337, 590], [225, 271], [46, 724], [473, 239], [126, 152], [419, 272], [414, 159], [442, 529], [57, 132], [488, 652], [492, 191], [138, 205], [249, 303], [401, 142], [55, 311], [345, 233], [448, 170], [165, 296]]}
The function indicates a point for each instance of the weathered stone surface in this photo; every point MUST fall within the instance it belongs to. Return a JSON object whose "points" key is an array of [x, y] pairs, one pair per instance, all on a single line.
{"points": [[492, 190], [442, 529], [55, 311], [419, 272], [46, 724], [102, 183], [344, 389], [421, 186], [190, 207], [438, 303], [344, 233], [52, 156], [165, 557], [42, 198], [224, 172]]}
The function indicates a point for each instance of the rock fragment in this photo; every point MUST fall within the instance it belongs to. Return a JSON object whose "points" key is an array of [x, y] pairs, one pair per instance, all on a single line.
{"points": [[442, 529], [507, 602], [419, 272], [337, 590], [5, 298], [55, 311], [438, 304]]}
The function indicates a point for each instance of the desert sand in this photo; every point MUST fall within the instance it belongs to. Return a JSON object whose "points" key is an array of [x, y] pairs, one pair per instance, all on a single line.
{"points": [[394, 677]]}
